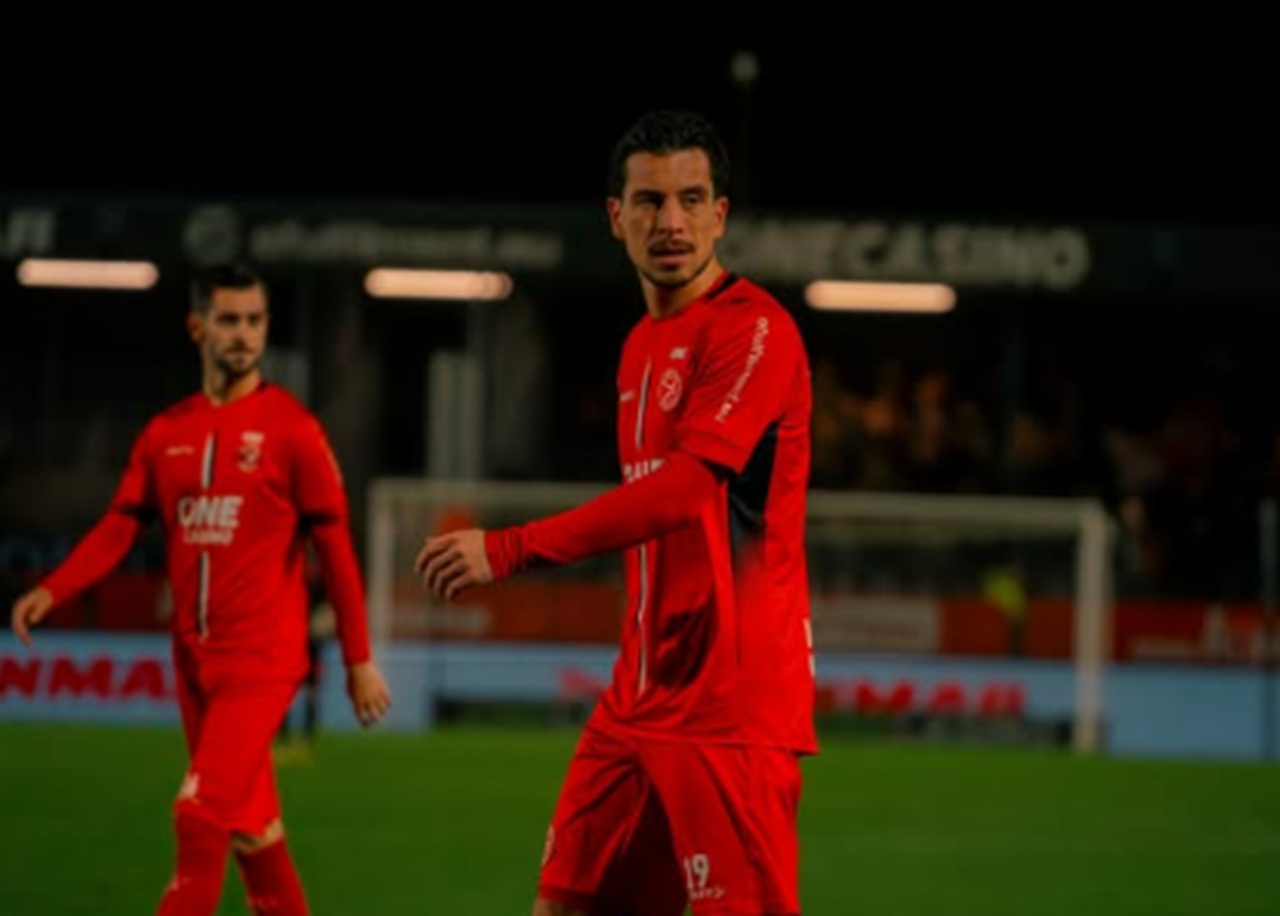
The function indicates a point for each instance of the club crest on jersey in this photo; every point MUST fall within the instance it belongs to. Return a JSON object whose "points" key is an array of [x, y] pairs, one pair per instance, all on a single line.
{"points": [[249, 455], [670, 387]]}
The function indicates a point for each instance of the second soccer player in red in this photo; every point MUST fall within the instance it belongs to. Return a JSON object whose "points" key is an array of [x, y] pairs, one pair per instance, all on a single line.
{"points": [[240, 475], [685, 786]]}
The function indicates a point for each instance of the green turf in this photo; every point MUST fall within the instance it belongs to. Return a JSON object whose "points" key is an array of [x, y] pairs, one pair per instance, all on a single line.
{"points": [[453, 823]]}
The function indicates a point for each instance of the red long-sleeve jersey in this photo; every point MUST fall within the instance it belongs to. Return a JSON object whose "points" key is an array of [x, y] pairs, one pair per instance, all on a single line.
{"points": [[713, 436], [237, 489]]}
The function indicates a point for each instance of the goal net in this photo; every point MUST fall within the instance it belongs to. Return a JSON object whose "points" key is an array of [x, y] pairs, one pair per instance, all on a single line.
{"points": [[979, 618]]}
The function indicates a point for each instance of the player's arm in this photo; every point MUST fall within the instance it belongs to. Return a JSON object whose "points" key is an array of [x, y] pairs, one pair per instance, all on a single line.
{"points": [[735, 394], [321, 500], [671, 497], [99, 551]]}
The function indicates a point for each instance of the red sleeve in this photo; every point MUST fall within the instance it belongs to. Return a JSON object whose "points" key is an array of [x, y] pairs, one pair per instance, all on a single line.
{"points": [[318, 489], [136, 494], [107, 542], [345, 590], [673, 496], [321, 500], [745, 373]]}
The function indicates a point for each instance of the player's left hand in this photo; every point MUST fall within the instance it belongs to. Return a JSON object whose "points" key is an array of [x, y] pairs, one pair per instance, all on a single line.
{"points": [[367, 688], [450, 563]]}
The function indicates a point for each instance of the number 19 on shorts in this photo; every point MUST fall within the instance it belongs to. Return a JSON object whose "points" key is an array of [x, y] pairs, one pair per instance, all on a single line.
{"points": [[697, 875]]}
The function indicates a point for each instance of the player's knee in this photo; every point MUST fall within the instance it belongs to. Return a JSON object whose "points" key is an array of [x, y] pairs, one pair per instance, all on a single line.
{"points": [[249, 843]]}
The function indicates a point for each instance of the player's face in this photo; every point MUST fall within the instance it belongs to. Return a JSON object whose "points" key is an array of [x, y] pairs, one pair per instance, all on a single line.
{"points": [[668, 216], [233, 334]]}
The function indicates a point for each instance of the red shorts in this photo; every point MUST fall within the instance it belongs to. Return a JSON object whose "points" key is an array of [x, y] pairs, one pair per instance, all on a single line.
{"points": [[647, 827], [229, 730]]}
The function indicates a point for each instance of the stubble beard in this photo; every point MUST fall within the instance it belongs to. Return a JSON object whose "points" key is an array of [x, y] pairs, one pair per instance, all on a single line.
{"points": [[231, 372], [669, 282]]}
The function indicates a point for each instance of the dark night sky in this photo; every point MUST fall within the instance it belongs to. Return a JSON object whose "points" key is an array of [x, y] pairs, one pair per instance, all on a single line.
{"points": [[822, 129]]}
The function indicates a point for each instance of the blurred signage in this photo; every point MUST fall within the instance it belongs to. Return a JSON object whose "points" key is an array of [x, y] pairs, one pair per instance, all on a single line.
{"points": [[1209, 711], [850, 622], [103, 678], [574, 243], [789, 251], [1192, 633], [1056, 259], [217, 233], [88, 677], [907, 695]]}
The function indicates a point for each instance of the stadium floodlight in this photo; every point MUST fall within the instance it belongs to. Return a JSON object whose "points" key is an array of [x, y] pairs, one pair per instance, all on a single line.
{"points": [[858, 296], [409, 283], [81, 274]]}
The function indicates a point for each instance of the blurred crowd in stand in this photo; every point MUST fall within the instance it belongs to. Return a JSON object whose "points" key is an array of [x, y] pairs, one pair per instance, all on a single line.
{"points": [[1183, 482]]}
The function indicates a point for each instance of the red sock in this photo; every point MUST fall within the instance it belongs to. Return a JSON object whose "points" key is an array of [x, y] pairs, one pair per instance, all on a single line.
{"points": [[196, 887], [271, 882]]}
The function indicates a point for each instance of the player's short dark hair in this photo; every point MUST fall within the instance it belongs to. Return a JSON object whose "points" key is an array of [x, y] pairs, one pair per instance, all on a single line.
{"points": [[228, 275], [670, 131]]}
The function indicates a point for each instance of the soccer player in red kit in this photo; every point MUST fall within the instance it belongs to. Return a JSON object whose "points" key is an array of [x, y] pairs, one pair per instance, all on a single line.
{"points": [[240, 476], [685, 787]]}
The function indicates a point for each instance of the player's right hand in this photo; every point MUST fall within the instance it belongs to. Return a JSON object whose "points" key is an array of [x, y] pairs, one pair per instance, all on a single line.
{"points": [[450, 563], [29, 610]]}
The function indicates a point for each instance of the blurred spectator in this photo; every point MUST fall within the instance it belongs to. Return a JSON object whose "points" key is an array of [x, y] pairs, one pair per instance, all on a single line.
{"points": [[836, 421]]}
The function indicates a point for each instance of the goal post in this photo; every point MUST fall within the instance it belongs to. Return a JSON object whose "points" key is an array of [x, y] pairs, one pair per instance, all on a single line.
{"points": [[894, 575], [1084, 522]]}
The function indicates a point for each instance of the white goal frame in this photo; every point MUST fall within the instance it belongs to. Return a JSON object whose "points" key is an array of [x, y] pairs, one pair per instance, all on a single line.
{"points": [[1086, 521]]}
